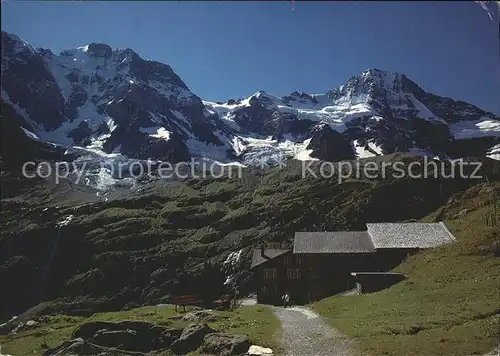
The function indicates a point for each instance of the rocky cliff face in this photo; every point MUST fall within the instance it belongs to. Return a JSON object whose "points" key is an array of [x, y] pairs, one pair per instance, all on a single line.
{"points": [[30, 84], [376, 112], [113, 103], [111, 100]]}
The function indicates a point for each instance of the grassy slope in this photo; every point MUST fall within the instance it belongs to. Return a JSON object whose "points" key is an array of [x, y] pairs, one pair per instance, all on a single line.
{"points": [[258, 322], [130, 248], [450, 303]]}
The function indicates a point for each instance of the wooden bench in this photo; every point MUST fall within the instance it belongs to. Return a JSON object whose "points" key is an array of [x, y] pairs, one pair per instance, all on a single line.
{"points": [[183, 300]]}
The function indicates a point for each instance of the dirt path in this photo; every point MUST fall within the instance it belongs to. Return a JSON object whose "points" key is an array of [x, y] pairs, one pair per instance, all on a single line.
{"points": [[304, 333]]}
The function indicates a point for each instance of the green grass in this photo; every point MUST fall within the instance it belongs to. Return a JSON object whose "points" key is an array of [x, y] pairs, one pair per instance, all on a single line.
{"points": [[60, 327], [449, 304], [257, 322]]}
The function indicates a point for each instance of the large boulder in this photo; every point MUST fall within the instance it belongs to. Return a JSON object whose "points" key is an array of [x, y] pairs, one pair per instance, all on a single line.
{"points": [[74, 347], [201, 315], [225, 344], [120, 339], [128, 335], [87, 331], [191, 338]]}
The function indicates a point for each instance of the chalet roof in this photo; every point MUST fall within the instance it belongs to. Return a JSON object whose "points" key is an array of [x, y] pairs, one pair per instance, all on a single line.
{"points": [[332, 242], [409, 235], [269, 254]]}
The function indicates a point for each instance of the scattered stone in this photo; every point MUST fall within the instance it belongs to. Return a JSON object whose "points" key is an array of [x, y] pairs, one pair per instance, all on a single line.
{"points": [[191, 338], [22, 326], [258, 350], [43, 319], [225, 344]]}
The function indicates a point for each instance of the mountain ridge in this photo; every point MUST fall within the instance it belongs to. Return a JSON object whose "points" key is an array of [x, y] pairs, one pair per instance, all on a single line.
{"points": [[113, 104]]}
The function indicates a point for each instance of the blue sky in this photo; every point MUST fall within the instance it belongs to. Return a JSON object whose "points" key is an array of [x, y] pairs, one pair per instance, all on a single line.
{"points": [[227, 50]]}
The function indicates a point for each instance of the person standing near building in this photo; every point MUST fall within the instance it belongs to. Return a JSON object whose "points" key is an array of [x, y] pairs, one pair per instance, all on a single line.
{"points": [[286, 299]]}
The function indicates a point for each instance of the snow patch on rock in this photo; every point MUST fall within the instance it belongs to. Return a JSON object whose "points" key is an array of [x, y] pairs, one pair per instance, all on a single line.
{"points": [[156, 132], [485, 126], [494, 152], [65, 221]]}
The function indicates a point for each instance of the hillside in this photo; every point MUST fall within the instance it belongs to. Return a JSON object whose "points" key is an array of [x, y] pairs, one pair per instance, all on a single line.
{"points": [[449, 304], [138, 247]]}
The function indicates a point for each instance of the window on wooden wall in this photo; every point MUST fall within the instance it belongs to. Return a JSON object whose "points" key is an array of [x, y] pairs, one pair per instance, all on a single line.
{"points": [[293, 273], [288, 259], [270, 273], [298, 260], [263, 289]]}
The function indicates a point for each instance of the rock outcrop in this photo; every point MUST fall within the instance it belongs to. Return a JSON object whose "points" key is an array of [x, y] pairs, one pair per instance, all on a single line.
{"points": [[119, 106], [191, 338]]}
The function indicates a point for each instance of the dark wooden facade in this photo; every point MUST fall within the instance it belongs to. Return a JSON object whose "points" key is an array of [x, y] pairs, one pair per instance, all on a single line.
{"points": [[322, 263], [369, 282], [280, 275], [328, 274], [309, 277]]}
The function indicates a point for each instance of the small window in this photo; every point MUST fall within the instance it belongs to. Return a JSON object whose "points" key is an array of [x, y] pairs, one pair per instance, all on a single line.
{"points": [[298, 260], [263, 289], [270, 273], [293, 273], [288, 259]]}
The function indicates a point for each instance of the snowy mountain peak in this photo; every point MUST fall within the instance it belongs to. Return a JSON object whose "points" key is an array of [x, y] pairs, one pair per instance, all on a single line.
{"points": [[382, 78], [380, 73], [263, 98], [99, 50], [13, 45], [261, 94], [113, 103], [93, 49], [17, 43], [373, 82]]}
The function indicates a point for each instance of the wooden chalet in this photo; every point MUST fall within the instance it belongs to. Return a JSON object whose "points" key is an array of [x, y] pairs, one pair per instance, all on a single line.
{"points": [[325, 263]]}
